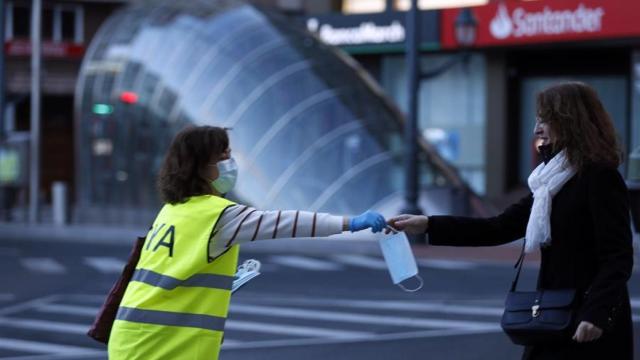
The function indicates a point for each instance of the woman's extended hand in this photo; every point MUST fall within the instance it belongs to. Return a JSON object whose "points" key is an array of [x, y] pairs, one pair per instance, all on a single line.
{"points": [[368, 219], [412, 224], [587, 332]]}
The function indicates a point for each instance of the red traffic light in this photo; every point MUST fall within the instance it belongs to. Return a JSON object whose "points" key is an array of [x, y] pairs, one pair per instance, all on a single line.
{"points": [[129, 97]]}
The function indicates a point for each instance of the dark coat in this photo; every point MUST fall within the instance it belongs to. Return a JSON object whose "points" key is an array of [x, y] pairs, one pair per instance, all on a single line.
{"points": [[591, 250]]}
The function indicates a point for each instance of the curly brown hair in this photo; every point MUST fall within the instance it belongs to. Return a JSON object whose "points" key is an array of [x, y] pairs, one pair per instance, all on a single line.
{"points": [[183, 173], [580, 124]]}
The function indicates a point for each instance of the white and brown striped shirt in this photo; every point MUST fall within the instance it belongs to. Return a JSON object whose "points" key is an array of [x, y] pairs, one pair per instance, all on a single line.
{"points": [[241, 224]]}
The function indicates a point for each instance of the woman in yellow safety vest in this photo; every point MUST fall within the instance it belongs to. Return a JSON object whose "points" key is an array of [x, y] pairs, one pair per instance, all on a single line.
{"points": [[177, 302]]}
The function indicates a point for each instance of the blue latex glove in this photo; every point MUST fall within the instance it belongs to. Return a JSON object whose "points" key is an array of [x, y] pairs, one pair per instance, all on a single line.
{"points": [[368, 219]]}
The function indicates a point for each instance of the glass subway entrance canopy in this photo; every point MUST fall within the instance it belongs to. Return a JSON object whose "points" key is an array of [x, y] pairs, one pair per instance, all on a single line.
{"points": [[310, 130]]}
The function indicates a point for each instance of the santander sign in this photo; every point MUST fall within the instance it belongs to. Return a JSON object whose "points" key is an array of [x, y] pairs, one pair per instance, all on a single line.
{"points": [[521, 23], [511, 22]]}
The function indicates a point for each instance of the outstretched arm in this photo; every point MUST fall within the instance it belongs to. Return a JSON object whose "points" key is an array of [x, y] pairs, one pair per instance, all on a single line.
{"points": [[242, 224], [509, 226]]}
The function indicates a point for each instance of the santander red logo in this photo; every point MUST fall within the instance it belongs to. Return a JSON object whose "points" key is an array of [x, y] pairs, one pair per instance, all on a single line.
{"points": [[522, 23]]}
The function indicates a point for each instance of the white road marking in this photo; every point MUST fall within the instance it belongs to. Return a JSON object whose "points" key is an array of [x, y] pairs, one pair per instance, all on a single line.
{"points": [[325, 315], [41, 347], [98, 299], [293, 330], [28, 305], [89, 354], [373, 338], [635, 303], [68, 309], [447, 264], [45, 325], [305, 263], [413, 306], [43, 265], [106, 265], [7, 297], [9, 251], [361, 261]]}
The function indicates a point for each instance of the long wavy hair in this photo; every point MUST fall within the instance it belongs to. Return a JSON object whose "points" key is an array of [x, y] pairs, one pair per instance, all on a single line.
{"points": [[580, 124], [184, 170]]}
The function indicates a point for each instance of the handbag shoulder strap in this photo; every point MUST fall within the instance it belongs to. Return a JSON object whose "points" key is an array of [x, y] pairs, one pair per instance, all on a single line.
{"points": [[518, 265]]}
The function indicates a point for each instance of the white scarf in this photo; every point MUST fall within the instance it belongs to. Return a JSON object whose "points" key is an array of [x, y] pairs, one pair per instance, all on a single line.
{"points": [[545, 182]]}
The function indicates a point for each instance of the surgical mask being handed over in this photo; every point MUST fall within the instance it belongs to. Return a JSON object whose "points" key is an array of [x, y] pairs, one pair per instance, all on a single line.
{"points": [[228, 174], [399, 258]]}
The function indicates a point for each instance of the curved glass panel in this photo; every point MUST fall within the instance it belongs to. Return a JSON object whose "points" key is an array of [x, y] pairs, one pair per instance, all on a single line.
{"points": [[309, 130]]}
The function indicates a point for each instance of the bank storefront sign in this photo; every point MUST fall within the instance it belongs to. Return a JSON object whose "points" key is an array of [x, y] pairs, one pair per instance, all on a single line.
{"points": [[383, 32], [523, 23], [513, 23]]}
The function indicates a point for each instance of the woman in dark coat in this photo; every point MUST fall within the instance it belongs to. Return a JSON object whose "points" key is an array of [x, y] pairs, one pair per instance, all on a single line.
{"points": [[584, 233]]}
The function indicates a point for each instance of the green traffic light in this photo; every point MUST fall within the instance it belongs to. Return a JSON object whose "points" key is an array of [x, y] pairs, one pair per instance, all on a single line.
{"points": [[102, 109]]}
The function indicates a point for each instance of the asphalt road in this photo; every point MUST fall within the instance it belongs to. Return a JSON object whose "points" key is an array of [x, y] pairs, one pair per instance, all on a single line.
{"points": [[333, 306]]}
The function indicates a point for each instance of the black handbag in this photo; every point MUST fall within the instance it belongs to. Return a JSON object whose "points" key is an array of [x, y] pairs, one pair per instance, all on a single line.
{"points": [[539, 317]]}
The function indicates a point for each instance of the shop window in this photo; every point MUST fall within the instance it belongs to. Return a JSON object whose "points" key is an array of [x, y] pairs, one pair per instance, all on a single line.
{"points": [[59, 22], [374, 6], [68, 25], [21, 22], [363, 6], [47, 24], [403, 5]]}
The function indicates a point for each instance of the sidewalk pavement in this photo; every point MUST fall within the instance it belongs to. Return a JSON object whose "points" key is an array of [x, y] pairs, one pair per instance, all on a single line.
{"points": [[360, 243]]}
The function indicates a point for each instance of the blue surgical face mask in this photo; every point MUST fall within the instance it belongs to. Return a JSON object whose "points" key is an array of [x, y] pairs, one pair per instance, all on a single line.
{"points": [[400, 261], [228, 174]]}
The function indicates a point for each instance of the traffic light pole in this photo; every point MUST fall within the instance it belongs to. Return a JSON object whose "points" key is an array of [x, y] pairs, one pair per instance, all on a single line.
{"points": [[34, 168], [2, 87], [411, 124]]}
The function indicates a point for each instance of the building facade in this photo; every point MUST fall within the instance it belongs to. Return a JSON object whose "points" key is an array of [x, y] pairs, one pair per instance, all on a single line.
{"points": [[479, 113], [67, 29], [528, 46]]}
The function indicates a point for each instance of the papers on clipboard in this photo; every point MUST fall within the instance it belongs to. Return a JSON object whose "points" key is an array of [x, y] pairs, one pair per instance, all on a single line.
{"points": [[246, 272]]}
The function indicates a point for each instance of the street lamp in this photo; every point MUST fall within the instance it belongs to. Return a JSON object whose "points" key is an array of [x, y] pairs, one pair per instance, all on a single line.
{"points": [[466, 28]]}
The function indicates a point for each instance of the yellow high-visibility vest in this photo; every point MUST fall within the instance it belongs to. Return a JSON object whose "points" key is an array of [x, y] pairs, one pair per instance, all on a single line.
{"points": [[176, 305]]}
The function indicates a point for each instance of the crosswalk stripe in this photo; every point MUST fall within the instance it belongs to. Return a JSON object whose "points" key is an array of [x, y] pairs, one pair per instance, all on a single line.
{"points": [[68, 309], [105, 265], [96, 299], [16, 308], [324, 315], [44, 325], [230, 325], [43, 265], [447, 264], [227, 342], [41, 347], [635, 303], [292, 330], [7, 297], [422, 334], [423, 306], [306, 263], [9, 251], [362, 261], [93, 354]]}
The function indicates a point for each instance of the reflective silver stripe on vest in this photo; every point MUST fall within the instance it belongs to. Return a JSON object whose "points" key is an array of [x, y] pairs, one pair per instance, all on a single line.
{"points": [[207, 322], [212, 281]]}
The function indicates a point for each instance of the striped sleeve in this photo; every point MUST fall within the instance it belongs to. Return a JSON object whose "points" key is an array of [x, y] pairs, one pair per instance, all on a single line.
{"points": [[241, 224]]}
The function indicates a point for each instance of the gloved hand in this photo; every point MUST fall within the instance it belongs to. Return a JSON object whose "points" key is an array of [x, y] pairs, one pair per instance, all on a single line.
{"points": [[368, 219]]}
